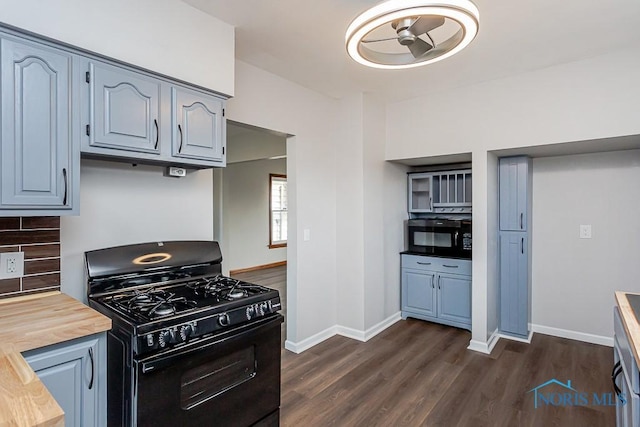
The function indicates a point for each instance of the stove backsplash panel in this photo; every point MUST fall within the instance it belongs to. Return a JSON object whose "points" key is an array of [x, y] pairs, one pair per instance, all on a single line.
{"points": [[39, 239]]}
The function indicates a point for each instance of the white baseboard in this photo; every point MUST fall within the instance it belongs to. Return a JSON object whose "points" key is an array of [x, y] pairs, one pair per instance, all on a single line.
{"points": [[573, 335], [485, 347], [307, 343], [526, 340], [344, 331]]}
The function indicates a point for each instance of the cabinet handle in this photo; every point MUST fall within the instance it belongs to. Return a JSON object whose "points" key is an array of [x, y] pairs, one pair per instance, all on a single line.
{"points": [[439, 277], [92, 367], [617, 370], [432, 282], [180, 130], [449, 266], [66, 186], [522, 245], [423, 263], [155, 122], [430, 203], [521, 218]]}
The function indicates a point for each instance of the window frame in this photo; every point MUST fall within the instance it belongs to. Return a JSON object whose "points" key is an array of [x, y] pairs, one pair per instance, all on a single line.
{"points": [[277, 244]]}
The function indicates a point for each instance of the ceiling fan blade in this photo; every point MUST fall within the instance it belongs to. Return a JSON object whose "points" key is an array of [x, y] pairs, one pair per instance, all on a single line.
{"points": [[378, 40], [419, 47], [424, 24]]}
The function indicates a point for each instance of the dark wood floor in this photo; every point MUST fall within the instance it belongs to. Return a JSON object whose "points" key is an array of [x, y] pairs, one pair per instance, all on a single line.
{"points": [[418, 373]]}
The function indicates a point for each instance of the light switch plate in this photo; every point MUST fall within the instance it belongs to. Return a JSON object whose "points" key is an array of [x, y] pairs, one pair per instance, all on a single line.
{"points": [[306, 234], [11, 265], [585, 231]]}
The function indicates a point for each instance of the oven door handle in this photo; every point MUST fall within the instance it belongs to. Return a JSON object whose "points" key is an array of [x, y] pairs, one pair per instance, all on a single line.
{"points": [[157, 362]]}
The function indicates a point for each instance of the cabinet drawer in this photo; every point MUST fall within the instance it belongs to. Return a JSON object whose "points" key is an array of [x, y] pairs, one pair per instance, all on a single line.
{"points": [[442, 265]]}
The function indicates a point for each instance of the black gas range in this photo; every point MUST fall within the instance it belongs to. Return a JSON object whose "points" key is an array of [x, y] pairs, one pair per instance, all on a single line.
{"points": [[188, 346]]}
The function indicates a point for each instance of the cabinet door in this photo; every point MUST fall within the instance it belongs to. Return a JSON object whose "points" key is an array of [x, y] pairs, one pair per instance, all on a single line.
{"points": [[70, 371], [420, 193], [514, 286], [514, 175], [418, 292], [197, 126], [124, 109], [454, 298], [36, 130]]}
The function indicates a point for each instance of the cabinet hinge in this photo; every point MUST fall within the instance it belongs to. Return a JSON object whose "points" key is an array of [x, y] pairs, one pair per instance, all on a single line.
{"points": [[87, 77], [88, 129]]}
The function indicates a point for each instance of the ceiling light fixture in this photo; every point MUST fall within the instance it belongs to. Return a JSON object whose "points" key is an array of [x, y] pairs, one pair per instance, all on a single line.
{"points": [[429, 30]]}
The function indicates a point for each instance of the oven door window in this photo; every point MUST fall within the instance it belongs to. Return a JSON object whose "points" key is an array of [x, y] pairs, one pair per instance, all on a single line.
{"points": [[432, 239], [215, 377]]}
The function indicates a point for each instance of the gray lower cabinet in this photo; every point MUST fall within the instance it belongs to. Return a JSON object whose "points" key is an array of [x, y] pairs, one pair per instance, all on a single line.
{"points": [[436, 289], [39, 148], [124, 110], [74, 372], [514, 283], [625, 376]]}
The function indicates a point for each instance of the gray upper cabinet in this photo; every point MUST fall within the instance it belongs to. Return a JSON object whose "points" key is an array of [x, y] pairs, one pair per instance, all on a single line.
{"points": [[124, 109], [40, 156], [515, 188], [420, 192], [197, 125], [440, 192], [136, 117]]}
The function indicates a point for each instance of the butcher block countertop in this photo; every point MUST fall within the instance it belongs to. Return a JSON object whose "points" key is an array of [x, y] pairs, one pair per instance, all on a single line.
{"points": [[630, 323], [27, 323]]}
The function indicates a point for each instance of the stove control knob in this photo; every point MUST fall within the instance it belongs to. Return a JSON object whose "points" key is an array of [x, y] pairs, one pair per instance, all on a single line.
{"points": [[260, 309], [186, 331], [250, 312], [223, 319], [164, 338], [264, 308]]}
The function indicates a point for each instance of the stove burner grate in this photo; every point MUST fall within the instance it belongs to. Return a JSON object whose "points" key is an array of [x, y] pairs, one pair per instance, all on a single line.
{"points": [[223, 288], [152, 302]]}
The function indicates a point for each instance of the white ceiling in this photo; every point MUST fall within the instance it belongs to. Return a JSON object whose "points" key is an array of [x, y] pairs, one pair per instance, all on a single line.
{"points": [[303, 41]]}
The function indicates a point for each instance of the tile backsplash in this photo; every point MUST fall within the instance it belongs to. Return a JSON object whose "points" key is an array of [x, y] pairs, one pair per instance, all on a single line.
{"points": [[39, 239]]}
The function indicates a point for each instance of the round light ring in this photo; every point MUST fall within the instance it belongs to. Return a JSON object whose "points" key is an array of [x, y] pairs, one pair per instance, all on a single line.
{"points": [[464, 12], [154, 258]]}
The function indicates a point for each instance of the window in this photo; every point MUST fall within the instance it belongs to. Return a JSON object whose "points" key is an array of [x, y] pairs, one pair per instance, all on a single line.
{"points": [[277, 211]]}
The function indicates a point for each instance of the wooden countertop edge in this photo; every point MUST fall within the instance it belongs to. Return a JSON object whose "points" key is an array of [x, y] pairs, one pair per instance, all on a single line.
{"points": [[630, 323], [24, 399]]}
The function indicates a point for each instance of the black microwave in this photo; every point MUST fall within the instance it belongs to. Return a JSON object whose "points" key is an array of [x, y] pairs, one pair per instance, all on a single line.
{"points": [[440, 237]]}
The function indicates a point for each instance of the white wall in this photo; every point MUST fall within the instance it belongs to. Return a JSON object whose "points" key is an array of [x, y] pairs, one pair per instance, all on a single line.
{"points": [[254, 145], [166, 36], [590, 99], [121, 204], [246, 214], [350, 274], [574, 279], [265, 100]]}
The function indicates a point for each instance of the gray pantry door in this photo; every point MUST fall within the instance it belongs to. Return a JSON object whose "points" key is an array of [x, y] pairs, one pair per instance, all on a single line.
{"points": [[514, 291]]}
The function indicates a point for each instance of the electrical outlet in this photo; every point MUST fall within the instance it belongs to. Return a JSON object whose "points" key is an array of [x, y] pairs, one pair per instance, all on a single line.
{"points": [[585, 231], [11, 265]]}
